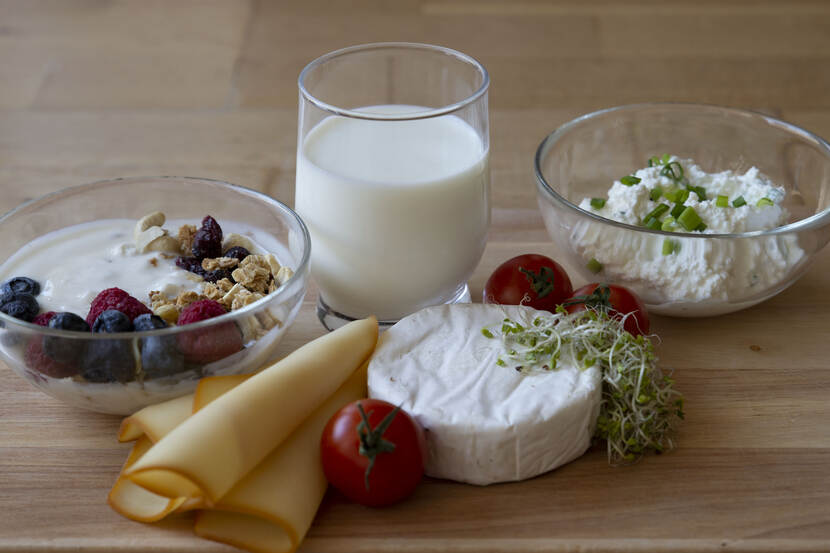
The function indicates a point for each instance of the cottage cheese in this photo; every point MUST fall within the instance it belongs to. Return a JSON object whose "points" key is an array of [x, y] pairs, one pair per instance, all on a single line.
{"points": [[699, 277]]}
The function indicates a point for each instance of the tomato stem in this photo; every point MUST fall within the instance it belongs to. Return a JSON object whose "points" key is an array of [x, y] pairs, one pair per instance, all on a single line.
{"points": [[371, 439], [541, 282], [600, 298]]}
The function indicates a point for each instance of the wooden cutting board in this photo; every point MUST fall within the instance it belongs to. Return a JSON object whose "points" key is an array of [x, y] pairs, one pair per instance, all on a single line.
{"points": [[752, 471]]}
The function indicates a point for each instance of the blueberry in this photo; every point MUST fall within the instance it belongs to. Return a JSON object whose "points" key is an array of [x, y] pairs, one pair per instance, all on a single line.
{"points": [[19, 305], [160, 355], [112, 320], [207, 242], [237, 252], [148, 321], [109, 361], [64, 349], [20, 285]]}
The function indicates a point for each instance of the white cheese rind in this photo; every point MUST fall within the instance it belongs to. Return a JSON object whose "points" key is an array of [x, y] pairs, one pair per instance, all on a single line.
{"points": [[484, 423]]}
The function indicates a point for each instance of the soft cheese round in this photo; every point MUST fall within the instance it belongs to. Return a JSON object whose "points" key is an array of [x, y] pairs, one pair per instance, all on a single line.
{"points": [[484, 423]]}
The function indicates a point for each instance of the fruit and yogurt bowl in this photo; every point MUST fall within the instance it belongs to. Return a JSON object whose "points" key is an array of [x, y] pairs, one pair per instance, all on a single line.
{"points": [[123, 293], [701, 210]]}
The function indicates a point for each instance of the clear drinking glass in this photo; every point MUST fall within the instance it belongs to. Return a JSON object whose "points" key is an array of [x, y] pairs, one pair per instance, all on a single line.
{"points": [[392, 177]]}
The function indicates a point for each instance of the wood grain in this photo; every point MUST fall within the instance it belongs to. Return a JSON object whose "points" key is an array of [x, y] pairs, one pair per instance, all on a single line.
{"points": [[92, 89]]}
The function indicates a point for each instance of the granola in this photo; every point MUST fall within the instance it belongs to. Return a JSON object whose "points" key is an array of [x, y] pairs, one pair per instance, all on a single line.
{"points": [[185, 236], [211, 264]]}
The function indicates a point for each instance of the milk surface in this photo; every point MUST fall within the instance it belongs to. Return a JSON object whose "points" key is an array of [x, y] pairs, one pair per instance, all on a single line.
{"points": [[397, 210]]}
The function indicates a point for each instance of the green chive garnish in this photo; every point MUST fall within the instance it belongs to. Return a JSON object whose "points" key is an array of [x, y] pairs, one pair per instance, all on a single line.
{"points": [[689, 219], [657, 212], [764, 201], [701, 227], [487, 333], [630, 180], [738, 202], [677, 210], [722, 201], [668, 224], [699, 190], [594, 266], [655, 193], [682, 195], [671, 195], [652, 223], [597, 203], [670, 246]]}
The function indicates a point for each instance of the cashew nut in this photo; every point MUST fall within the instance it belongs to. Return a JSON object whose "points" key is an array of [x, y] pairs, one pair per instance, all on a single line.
{"points": [[155, 219]]}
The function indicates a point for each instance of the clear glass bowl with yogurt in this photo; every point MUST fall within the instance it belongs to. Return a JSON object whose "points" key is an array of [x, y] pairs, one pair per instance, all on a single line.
{"points": [[78, 241], [748, 254]]}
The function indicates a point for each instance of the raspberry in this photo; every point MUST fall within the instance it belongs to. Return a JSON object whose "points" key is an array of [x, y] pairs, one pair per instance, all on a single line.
{"points": [[206, 345], [118, 299], [200, 310], [36, 359], [44, 318], [207, 242], [209, 344]]}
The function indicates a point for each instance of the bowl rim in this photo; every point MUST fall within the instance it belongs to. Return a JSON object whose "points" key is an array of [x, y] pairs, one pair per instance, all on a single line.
{"points": [[818, 219], [300, 273], [409, 116]]}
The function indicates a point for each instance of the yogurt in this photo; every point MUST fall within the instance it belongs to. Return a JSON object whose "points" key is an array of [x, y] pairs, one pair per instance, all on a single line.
{"points": [[397, 210]]}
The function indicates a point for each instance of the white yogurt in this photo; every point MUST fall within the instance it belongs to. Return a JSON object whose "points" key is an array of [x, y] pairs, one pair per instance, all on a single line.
{"points": [[397, 210], [700, 276]]}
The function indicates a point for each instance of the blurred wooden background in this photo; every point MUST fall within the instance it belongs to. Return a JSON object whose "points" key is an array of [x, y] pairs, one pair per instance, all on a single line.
{"points": [[91, 89]]}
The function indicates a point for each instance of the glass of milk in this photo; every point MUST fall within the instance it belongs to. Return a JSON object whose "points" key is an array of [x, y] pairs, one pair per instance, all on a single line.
{"points": [[393, 177]]}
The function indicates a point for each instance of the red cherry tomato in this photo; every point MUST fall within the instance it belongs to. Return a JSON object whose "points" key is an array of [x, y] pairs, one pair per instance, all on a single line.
{"points": [[386, 434], [614, 298], [530, 279]]}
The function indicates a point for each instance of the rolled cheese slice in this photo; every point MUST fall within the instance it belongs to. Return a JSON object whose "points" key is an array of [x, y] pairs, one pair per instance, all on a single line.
{"points": [[484, 423], [210, 452]]}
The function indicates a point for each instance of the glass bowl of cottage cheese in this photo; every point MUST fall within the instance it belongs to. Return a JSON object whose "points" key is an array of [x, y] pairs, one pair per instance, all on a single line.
{"points": [[122, 293], [701, 210]]}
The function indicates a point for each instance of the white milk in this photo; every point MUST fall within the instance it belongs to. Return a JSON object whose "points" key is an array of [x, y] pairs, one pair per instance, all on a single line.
{"points": [[398, 210]]}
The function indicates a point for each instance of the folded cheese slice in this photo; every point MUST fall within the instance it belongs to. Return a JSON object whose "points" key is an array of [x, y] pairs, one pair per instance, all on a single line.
{"points": [[207, 455], [272, 508]]}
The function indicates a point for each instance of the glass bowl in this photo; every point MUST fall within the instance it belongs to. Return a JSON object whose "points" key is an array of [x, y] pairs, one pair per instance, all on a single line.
{"points": [[240, 341], [710, 274]]}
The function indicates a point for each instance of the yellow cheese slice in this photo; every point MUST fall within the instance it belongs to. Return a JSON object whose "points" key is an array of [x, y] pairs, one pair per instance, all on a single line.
{"points": [[156, 420], [147, 426], [272, 508], [207, 454]]}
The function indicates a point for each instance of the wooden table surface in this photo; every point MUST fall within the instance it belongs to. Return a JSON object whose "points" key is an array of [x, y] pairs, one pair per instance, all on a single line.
{"points": [[91, 89]]}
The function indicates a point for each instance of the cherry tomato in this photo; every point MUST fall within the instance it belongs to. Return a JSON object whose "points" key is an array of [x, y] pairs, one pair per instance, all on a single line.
{"points": [[616, 298], [529, 279], [373, 452]]}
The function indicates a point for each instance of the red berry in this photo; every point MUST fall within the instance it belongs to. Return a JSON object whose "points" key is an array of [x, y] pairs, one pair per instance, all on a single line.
{"points": [[207, 242], [206, 345], [118, 299], [44, 318], [36, 359], [199, 311]]}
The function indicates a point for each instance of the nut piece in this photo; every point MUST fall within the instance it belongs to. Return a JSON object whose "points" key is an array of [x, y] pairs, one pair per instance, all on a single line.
{"points": [[211, 264], [146, 236], [185, 236], [234, 239], [155, 219], [164, 243], [168, 312]]}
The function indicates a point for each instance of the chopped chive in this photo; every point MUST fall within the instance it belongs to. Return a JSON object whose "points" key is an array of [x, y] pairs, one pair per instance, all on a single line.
{"points": [[486, 333], [672, 170], [670, 246], [630, 180], [594, 266], [671, 195], [652, 223], [701, 227], [668, 224], [689, 219], [722, 201], [657, 212], [677, 209], [738, 202], [682, 195], [699, 190], [665, 159], [597, 203], [655, 193], [500, 362], [764, 201]]}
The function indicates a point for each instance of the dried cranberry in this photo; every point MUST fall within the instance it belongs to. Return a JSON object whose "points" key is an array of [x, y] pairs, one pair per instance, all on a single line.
{"points": [[217, 275], [237, 252], [190, 264], [207, 242]]}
